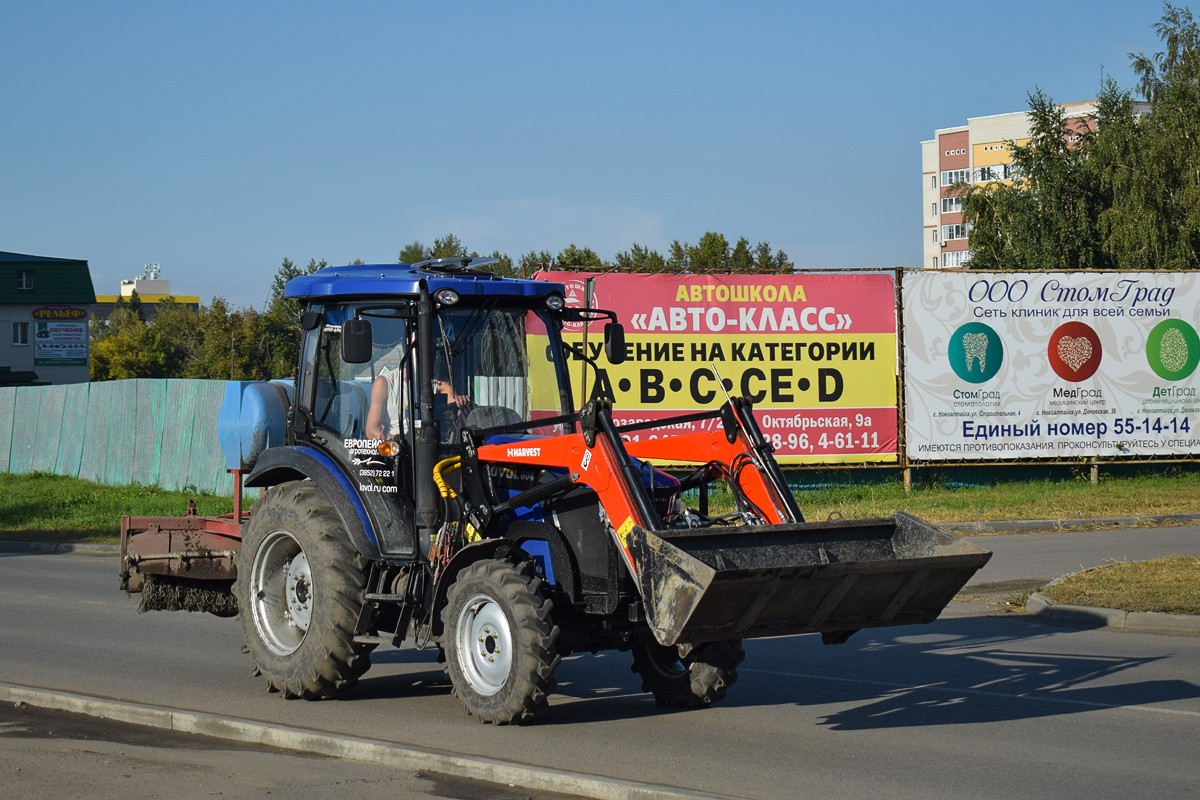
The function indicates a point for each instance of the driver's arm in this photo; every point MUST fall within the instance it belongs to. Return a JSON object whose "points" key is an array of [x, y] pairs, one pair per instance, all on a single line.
{"points": [[379, 398], [444, 387]]}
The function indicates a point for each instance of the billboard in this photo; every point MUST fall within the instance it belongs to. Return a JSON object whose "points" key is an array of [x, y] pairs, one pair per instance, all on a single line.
{"points": [[814, 352], [60, 344], [1050, 364]]}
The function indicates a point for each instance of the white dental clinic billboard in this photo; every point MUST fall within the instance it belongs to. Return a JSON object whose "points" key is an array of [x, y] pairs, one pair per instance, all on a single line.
{"points": [[1050, 364]]}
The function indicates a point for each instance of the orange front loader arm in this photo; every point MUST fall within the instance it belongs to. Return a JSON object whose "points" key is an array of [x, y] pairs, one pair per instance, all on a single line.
{"points": [[606, 467]]}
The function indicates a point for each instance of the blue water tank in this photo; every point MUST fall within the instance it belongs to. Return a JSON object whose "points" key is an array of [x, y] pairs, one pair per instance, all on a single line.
{"points": [[253, 417]]}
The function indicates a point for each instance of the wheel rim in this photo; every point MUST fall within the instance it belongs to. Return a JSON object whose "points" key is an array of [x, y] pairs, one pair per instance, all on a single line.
{"points": [[281, 593], [485, 645]]}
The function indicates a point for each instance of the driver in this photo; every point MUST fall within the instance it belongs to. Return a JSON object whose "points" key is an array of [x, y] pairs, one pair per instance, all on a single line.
{"points": [[387, 416]]}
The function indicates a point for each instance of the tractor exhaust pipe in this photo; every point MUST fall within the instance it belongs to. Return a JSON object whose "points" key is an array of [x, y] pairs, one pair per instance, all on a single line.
{"points": [[427, 433]]}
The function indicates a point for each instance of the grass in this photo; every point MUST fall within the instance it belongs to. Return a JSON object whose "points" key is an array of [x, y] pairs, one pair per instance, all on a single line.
{"points": [[1169, 585], [1113, 497], [53, 508], [46, 507]]}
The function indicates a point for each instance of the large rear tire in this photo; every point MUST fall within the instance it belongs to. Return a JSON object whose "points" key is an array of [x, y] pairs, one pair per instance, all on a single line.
{"points": [[694, 681], [299, 590], [500, 641]]}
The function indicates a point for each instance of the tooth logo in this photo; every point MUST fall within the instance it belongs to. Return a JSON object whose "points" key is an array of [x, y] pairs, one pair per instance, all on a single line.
{"points": [[975, 349], [975, 352]]}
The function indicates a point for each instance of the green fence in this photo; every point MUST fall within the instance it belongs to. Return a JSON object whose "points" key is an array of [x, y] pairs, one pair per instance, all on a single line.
{"points": [[150, 432]]}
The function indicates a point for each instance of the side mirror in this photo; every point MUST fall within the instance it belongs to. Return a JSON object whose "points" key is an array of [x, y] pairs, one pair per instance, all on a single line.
{"points": [[614, 343], [309, 320], [356, 341]]}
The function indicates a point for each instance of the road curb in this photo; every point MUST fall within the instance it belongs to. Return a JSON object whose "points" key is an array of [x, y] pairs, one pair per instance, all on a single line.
{"points": [[1047, 610], [54, 548], [373, 751], [1069, 524]]}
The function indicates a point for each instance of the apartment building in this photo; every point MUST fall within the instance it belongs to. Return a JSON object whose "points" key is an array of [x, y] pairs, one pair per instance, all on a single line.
{"points": [[978, 152]]}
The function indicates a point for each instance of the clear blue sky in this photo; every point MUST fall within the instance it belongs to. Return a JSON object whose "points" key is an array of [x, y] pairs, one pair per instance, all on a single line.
{"points": [[217, 138]]}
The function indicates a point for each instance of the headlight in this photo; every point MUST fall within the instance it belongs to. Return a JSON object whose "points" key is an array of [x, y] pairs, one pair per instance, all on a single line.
{"points": [[555, 302], [446, 297]]}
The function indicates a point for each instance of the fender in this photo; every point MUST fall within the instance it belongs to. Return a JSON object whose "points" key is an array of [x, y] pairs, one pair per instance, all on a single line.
{"points": [[278, 465], [564, 568], [488, 548]]}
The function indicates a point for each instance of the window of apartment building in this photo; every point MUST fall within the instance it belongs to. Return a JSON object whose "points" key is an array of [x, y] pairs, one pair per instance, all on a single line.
{"points": [[951, 205], [958, 231], [954, 258], [952, 176], [996, 172], [962, 151], [933, 181], [20, 332], [25, 279], [934, 232], [935, 262], [933, 210]]}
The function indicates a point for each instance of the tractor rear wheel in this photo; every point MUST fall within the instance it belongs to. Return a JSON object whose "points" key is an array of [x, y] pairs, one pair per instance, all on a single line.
{"points": [[698, 679], [299, 590], [500, 641]]}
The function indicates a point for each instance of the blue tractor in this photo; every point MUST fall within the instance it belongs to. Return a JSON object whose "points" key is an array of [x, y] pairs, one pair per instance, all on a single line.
{"points": [[428, 478]]}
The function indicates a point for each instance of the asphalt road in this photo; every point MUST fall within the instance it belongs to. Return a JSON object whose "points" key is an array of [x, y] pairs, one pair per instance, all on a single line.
{"points": [[966, 707], [1038, 558], [47, 754]]}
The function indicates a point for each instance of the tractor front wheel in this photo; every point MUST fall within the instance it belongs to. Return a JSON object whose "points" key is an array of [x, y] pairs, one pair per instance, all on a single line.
{"points": [[500, 641], [698, 679]]}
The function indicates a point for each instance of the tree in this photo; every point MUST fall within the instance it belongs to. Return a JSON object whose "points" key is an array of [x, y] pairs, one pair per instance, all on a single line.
{"points": [[449, 246], [506, 268], [1123, 195], [710, 254], [677, 261], [280, 323], [536, 259], [640, 259], [572, 256], [740, 260], [1155, 221], [131, 348], [1049, 218], [765, 261], [413, 253]]}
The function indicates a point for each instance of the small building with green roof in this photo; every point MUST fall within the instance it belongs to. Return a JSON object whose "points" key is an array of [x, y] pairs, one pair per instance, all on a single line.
{"points": [[44, 305]]}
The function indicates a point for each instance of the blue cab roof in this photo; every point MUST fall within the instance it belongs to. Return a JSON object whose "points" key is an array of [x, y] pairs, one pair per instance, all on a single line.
{"points": [[377, 280]]}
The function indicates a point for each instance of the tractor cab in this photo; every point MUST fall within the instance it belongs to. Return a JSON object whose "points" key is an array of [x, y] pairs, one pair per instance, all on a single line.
{"points": [[398, 361]]}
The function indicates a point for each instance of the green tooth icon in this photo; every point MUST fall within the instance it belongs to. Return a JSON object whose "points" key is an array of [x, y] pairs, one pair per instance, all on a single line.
{"points": [[975, 352]]}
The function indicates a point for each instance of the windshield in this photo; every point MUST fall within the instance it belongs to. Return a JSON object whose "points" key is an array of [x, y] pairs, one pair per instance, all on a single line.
{"points": [[491, 367], [497, 367]]}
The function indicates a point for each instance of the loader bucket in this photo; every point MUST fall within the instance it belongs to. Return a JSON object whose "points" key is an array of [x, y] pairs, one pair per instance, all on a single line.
{"points": [[771, 580]]}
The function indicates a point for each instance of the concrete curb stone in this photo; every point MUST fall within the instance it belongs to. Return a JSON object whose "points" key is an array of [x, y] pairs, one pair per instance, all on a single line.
{"points": [[55, 548], [1068, 523], [1047, 610], [389, 754]]}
